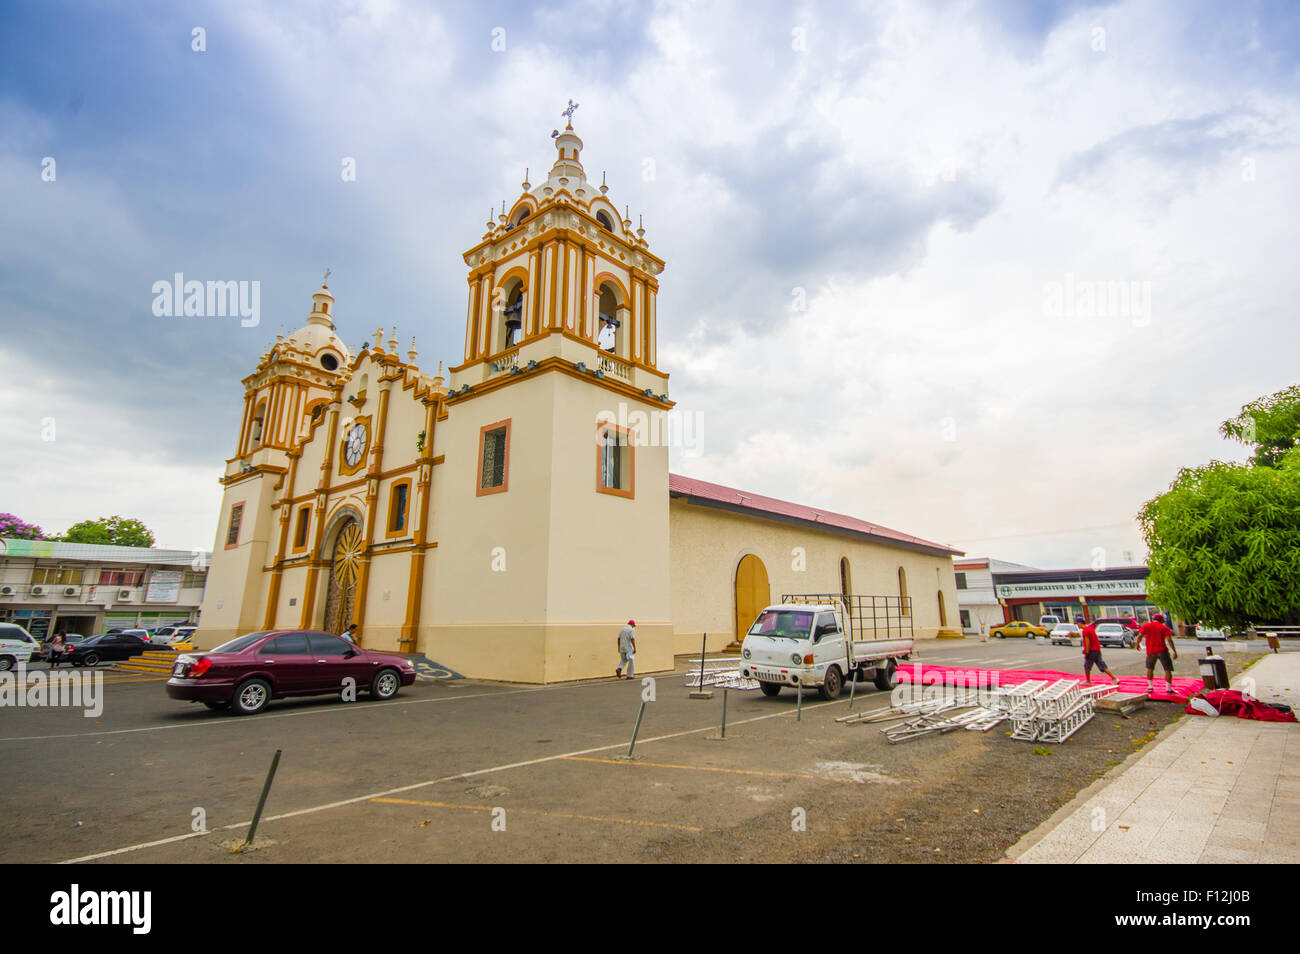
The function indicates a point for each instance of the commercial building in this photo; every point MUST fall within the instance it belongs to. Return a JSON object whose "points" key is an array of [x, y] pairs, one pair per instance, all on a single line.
{"points": [[1117, 591], [508, 519], [51, 587]]}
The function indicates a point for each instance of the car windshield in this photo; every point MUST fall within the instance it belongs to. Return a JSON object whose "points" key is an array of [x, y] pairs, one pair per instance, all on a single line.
{"points": [[93, 639], [1064, 628], [239, 643], [789, 624], [1109, 627]]}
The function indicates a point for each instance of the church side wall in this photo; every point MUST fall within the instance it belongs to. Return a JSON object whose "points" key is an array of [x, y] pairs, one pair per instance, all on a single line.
{"points": [[707, 545]]}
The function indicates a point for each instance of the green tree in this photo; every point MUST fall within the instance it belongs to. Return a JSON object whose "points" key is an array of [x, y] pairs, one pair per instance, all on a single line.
{"points": [[1224, 539], [1271, 425], [115, 530]]}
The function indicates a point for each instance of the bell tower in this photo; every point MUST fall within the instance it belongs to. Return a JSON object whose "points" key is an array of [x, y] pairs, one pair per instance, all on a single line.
{"points": [[553, 495], [562, 266]]}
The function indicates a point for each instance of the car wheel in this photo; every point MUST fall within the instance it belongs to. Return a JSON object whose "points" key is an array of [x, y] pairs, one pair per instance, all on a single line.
{"points": [[831, 684], [887, 678], [219, 706], [7, 663], [385, 684], [770, 688], [251, 697], [91, 659]]}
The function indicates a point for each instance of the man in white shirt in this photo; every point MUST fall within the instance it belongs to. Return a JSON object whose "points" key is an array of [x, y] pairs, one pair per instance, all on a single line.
{"points": [[350, 634], [626, 650]]}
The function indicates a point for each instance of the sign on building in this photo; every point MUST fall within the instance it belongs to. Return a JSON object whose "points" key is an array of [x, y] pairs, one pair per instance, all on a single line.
{"points": [[164, 587]]}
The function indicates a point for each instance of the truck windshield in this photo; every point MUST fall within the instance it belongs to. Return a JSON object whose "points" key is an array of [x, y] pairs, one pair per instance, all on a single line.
{"points": [[783, 623]]}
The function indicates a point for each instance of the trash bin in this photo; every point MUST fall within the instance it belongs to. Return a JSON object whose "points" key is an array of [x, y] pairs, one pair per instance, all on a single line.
{"points": [[1214, 671], [1271, 638]]}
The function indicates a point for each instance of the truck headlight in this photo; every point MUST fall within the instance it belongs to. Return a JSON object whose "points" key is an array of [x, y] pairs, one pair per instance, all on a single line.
{"points": [[745, 654], [796, 659]]}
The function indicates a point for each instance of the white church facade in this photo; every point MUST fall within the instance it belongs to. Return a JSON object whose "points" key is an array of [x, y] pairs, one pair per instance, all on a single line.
{"points": [[507, 519]]}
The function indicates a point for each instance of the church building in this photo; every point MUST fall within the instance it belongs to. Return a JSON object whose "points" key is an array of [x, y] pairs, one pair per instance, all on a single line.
{"points": [[508, 518]]}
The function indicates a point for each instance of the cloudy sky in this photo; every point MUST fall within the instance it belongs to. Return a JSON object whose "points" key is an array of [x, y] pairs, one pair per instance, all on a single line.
{"points": [[894, 234]]}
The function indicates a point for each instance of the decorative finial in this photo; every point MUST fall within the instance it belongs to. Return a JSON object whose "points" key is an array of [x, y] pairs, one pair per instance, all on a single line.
{"points": [[526, 185], [379, 338], [412, 354], [392, 340], [568, 113], [328, 272]]}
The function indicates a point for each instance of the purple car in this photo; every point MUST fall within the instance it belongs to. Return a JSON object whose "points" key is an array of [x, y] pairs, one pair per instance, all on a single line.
{"points": [[246, 673]]}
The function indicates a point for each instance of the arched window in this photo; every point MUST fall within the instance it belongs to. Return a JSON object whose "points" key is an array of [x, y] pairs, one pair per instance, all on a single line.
{"points": [[604, 220], [511, 330], [943, 611], [259, 416], [904, 604], [608, 337], [846, 577]]}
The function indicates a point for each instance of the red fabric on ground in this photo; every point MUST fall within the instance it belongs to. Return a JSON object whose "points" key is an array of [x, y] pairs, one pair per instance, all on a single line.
{"points": [[1231, 702], [1184, 688]]}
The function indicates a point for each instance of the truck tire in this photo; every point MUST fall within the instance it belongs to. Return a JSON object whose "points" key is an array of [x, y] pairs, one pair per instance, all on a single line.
{"points": [[770, 688], [831, 684], [887, 678]]}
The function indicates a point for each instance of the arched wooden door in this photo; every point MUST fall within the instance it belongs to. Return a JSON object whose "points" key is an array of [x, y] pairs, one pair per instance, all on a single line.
{"points": [[340, 599], [752, 593]]}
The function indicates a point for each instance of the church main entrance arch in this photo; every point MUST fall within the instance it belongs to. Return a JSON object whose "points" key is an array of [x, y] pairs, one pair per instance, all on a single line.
{"points": [[345, 565]]}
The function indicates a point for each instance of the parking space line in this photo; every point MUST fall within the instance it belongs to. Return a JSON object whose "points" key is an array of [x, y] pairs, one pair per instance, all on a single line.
{"points": [[539, 813], [341, 803], [694, 768]]}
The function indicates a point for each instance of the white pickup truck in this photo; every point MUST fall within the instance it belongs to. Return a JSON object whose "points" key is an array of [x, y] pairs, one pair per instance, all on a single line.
{"points": [[820, 640]]}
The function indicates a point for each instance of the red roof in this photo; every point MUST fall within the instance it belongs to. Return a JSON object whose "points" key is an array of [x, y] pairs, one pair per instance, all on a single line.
{"points": [[702, 490]]}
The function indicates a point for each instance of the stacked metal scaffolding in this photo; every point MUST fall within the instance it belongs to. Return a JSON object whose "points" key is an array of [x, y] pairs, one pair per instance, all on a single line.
{"points": [[1037, 711], [721, 678]]}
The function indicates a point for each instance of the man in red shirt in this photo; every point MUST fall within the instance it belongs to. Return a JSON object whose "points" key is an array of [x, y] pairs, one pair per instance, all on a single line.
{"points": [[1160, 645], [1092, 651]]}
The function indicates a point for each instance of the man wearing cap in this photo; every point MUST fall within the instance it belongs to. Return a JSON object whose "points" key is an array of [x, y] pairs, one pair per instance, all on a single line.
{"points": [[1160, 643], [626, 650], [1092, 651]]}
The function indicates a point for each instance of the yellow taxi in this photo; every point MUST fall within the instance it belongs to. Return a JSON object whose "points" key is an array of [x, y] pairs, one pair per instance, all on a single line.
{"points": [[1017, 628]]}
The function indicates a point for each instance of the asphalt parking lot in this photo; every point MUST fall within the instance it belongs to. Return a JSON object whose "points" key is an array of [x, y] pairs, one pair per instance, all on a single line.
{"points": [[469, 771]]}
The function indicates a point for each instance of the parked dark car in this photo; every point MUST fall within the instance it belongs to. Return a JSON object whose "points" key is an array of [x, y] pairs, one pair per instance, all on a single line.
{"points": [[246, 673], [106, 647]]}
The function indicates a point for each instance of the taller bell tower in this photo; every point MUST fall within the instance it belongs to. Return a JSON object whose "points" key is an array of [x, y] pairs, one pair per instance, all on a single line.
{"points": [[552, 498], [563, 264]]}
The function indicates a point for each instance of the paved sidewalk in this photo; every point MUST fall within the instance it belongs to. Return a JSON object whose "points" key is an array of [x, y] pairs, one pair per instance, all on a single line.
{"points": [[1210, 790]]}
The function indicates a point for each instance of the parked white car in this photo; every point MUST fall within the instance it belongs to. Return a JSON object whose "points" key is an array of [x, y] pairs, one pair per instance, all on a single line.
{"points": [[16, 646], [1209, 632], [1064, 634], [1114, 634]]}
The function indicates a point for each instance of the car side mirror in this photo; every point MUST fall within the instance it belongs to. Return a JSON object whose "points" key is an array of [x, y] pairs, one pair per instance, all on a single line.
{"points": [[349, 654]]}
